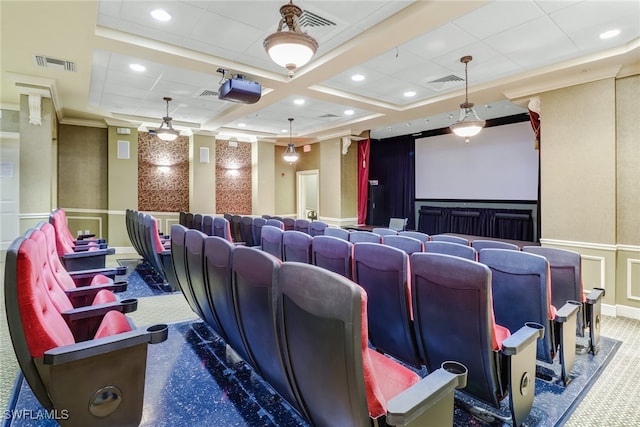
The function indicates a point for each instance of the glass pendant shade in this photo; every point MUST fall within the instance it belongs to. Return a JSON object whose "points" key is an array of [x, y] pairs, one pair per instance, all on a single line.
{"points": [[167, 133], [469, 124]]}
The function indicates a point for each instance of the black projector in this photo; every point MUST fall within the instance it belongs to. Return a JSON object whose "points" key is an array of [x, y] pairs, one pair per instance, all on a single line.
{"points": [[240, 90]]}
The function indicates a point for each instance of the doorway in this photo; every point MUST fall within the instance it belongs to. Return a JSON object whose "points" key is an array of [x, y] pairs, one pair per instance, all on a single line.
{"points": [[308, 194]]}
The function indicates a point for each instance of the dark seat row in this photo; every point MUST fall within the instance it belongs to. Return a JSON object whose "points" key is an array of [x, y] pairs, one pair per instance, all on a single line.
{"points": [[154, 249], [304, 330], [79, 353]]}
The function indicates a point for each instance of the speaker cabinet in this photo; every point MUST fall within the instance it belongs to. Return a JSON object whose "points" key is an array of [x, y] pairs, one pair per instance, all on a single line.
{"points": [[376, 212]]}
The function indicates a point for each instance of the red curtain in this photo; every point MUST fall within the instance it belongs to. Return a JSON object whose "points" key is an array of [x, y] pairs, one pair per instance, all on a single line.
{"points": [[364, 148], [534, 118]]}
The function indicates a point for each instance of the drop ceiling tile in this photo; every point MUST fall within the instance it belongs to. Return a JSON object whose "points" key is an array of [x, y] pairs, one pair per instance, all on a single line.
{"points": [[498, 16]]}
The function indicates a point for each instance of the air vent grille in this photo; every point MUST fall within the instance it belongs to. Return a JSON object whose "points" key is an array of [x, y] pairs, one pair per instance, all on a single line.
{"points": [[447, 79], [57, 64], [328, 116], [207, 92], [310, 19], [443, 83]]}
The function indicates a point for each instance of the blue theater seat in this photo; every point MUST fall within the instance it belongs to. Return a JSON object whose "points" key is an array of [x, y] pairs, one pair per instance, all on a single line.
{"points": [[197, 221], [258, 223], [566, 285], [340, 233], [316, 228], [339, 379], [407, 244], [449, 238], [246, 231], [222, 228], [207, 225], [289, 223], [423, 237], [272, 240], [480, 244], [381, 231], [333, 254], [383, 272], [301, 225], [275, 222], [364, 236], [296, 246], [521, 289], [454, 320], [179, 259], [448, 248]]}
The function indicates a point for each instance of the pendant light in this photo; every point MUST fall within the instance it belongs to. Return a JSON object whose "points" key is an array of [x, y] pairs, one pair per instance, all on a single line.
{"points": [[293, 48], [168, 133], [469, 123], [290, 154]]}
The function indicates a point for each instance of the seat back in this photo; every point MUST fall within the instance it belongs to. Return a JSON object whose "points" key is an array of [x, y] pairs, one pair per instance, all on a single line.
{"points": [[258, 223], [448, 248], [60, 273], [179, 259], [274, 222], [333, 254], [521, 293], [340, 233], [296, 246], [207, 225], [182, 218], [254, 279], [64, 242], [217, 259], [272, 240], [449, 238], [301, 225], [246, 230], [222, 228], [423, 237], [364, 236], [236, 225], [196, 277], [453, 319], [398, 224], [381, 231], [197, 222], [289, 223], [480, 244], [316, 228], [153, 244], [382, 271], [407, 244], [189, 220]]}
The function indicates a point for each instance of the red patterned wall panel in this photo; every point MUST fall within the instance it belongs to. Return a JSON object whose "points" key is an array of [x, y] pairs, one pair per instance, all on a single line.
{"points": [[233, 178], [163, 174]]}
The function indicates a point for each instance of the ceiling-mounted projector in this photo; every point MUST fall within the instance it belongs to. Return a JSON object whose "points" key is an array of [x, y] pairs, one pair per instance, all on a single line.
{"points": [[238, 89]]}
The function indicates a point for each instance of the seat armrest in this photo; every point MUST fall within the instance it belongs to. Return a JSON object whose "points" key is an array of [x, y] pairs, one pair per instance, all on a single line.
{"points": [[432, 390], [94, 289], [85, 254], [566, 311], [124, 306], [110, 272], [522, 338], [595, 295], [86, 349]]}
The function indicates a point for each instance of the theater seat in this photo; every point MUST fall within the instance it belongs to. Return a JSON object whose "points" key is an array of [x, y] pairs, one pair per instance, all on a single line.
{"points": [[480, 244], [364, 236], [258, 223], [407, 244], [449, 248], [449, 238], [566, 285], [246, 230], [333, 254], [179, 260], [98, 382], [521, 289], [381, 231], [423, 237], [454, 320], [272, 240], [275, 222], [340, 380], [207, 225], [316, 228], [296, 246], [301, 225], [289, 223], [222, 228], [340, 233], [383, 272]]}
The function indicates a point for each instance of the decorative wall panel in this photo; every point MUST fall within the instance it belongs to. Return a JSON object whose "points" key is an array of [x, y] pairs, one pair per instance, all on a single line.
{"points": [[233, 178], [163, 174]]}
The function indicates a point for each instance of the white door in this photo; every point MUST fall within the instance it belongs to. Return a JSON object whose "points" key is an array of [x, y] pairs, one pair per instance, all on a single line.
{"points": [[9, 188], [308, 194]]}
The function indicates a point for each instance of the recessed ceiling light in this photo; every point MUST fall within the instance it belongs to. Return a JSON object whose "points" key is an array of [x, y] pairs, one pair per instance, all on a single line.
{"points": [[241, 125], [348, 112], [357, 77], [138, 67], [609, 34], [284, 130], [160, 15], [298, 101], [410, 93]]}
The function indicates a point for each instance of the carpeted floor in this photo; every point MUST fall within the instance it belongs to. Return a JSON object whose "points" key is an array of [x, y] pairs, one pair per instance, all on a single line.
{"points": [[613, 400]]}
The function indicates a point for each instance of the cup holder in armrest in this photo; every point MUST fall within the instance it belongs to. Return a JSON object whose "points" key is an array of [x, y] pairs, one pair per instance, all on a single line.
{"points": [[120, 286], [158, 333], [538, 326], [121, 270], [457, 369], [129, 305]]}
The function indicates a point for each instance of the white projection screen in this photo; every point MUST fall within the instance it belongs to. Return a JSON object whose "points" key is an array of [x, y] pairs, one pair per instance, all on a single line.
{"points": [[500, 163]]}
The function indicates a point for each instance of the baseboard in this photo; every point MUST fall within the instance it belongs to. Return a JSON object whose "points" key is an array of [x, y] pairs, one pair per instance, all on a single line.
{"points": [[621, 311], [124, 249]]}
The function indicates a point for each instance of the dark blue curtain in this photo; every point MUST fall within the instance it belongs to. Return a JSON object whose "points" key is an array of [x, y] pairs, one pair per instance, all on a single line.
{"points": [[392, 163]]}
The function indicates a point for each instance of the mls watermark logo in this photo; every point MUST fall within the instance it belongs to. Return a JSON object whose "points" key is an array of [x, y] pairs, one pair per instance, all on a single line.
{"points": [[41, 414]]}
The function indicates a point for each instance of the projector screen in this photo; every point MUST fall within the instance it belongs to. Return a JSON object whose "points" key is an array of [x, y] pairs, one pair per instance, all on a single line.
{"points": [[500, 163]]}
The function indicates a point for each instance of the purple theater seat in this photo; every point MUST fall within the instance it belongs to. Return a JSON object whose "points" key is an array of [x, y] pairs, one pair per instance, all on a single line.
{"points": [[272, 240], [448, 248], [296, 246], [333, 254], [407, 244]]}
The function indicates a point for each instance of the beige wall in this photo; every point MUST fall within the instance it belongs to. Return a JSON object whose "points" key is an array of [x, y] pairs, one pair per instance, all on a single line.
{"points": [[122, 186], [38, 164], [285, 183], [330, 181], [203, 177], [349, 182], [578, 155], [264, 191], [591, 184]]}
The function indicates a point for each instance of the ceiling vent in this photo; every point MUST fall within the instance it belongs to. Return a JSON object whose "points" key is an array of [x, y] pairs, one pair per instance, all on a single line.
{"points": [[310, 19], [56, 64], [206, 93], [445, 82], [328, 116]]}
